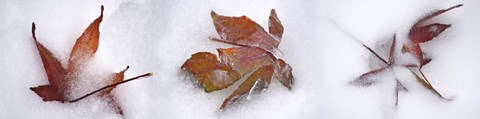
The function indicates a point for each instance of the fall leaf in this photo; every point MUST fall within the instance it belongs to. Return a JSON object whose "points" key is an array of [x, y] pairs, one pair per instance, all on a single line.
{"points": [[252, 58], [59, 77], [419, 33]]}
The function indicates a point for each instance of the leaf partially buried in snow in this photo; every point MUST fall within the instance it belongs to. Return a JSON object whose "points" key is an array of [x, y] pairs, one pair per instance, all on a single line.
{"points": [[244, 32], [420, 33], [253, 58], [210, 73], [60, 78]]}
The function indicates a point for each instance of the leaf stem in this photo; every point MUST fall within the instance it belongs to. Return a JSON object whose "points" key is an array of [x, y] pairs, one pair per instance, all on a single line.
{"points": [[112, 85]]}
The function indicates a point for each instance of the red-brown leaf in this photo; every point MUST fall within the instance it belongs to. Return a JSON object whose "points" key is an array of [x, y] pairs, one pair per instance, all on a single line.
{"points": [[243, 31], [48, 93], [283, 73], [244, 59], [253, 58], [365, 79], [210, 73], [415, 50], [55, 72], [259, 80], [275, 27], [86, 45], [117, 77], [434, 14], [392, 50], [426, 33]]}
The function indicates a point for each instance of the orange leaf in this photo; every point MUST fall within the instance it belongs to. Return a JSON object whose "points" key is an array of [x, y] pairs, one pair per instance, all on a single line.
{"points": [[118, 77], [86, 45], [84, 48]]}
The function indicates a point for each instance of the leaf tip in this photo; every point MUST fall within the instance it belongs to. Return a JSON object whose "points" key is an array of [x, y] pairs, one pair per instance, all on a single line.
{"points": [[102, 8], [272, 12], [457, 6], [213, 14], [33, 31]]}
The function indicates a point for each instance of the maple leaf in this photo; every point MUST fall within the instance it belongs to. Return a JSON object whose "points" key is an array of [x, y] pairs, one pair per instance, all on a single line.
{"points": [[60, 78], [419, 33], [252, 58]]}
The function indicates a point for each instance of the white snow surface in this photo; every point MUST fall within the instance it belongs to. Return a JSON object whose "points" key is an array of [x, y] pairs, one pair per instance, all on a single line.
{"points": [[159, 35]]}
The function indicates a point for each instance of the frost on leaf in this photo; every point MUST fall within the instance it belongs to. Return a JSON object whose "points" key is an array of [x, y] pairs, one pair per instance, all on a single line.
{"points": [[60, 78], [419, 33], [252, 58]]}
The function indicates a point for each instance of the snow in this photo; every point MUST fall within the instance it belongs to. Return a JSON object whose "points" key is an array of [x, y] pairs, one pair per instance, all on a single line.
{"points": [[159, 35]]}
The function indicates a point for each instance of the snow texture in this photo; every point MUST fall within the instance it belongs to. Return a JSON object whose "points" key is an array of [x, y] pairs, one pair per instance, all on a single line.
{"points": [[159, 35]]}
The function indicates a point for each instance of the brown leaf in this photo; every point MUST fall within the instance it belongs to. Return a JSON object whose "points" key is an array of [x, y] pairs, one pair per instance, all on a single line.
{"points": [[259, 80], [244, 59], [415, 50], [275, 27], [84, 48], [210, 73], [426, 33], [55, 73], [86, 45], [48, 93], [423, 20], [253, 58], [243, 31], [427, 84], [365, 80], [392, 50], [118, 77], [283, 72]]}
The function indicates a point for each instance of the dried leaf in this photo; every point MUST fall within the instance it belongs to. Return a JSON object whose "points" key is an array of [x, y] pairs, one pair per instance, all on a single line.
{"points": [[253, 58], [419, 33], [48, 93], [423, 20], [86, 45], [283, 72], [365, 79], [426, 33], [392, 50], [427, 84], [55, 74], [243, 31], [259, 80], [415, 50], [245, 59], [84, 48], [275, 27], [117, 77], [210, 73]]}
